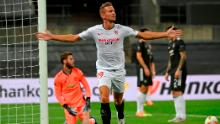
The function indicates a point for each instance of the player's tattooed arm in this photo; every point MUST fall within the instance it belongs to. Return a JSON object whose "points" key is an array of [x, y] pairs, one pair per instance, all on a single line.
{"points": [[181, 63], [167, 70], [168, 66], [182, 60]]}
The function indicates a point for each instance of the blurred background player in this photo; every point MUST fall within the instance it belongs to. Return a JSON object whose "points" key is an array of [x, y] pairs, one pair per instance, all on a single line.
{"points": [[69, 92], [109, 38], [178, 71], [145, 73]]}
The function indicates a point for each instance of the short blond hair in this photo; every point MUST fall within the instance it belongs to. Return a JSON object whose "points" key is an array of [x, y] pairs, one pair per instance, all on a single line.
{"points": [[104, 5]]}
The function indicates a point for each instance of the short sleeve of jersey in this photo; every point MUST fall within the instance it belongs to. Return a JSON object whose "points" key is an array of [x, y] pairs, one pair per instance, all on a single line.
{"points": [[87, 34], [129, 31], [182, 46]]}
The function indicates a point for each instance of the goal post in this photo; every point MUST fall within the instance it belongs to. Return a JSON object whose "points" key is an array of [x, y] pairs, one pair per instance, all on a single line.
{"points": [[23, 63], [43, 63]]}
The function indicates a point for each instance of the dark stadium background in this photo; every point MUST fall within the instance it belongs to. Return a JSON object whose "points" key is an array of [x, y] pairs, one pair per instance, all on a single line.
{"points": [[199, 19]]}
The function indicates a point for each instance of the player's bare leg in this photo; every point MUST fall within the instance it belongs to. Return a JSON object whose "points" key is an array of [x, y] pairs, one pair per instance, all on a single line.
{"points": [[119, 105], [86, 119], [179, 104], [105, 108], [143, 89]]}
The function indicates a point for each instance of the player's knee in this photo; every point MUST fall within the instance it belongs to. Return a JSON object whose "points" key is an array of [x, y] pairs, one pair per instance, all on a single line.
{"points": [[92, 120], [105, 99], [177, 93], [118, 101], [143, 89]]}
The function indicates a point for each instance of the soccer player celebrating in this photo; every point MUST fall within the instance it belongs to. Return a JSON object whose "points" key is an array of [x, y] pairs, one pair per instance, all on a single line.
{"points": [[177, 70], [69, 93], [109, 38], [145, 73]]}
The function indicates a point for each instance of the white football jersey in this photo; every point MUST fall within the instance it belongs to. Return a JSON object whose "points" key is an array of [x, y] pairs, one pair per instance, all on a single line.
{"points": [[109, 44]]}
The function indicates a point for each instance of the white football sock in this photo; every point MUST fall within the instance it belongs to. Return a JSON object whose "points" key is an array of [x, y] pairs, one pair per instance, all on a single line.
{"points": [[140, 101], [148, 97], [176, 105], [179, 103], [182, 103]]}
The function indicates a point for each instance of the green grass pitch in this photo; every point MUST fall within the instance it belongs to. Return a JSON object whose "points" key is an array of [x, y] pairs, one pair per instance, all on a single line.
{"points": [[197, 111]]}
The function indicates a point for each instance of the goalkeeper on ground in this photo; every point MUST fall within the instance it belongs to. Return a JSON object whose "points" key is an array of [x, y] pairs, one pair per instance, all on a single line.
{"points": [[68, 90]]}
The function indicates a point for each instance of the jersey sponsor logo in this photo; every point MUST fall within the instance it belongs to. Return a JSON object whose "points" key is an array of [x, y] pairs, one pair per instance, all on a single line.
{"points": [[103, 40], [28, 91], [71, 86]]}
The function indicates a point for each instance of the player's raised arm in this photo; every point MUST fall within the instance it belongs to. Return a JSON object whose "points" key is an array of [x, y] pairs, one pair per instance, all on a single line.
{"points": [[62, 38], [149, 35]]}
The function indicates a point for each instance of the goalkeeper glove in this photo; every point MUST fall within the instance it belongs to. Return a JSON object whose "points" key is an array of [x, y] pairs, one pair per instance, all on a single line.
{"points": [[87, 106], [70, 110]]}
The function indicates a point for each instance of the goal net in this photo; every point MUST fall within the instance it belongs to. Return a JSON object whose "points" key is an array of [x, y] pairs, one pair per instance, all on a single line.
{"points": [[19, 58]]}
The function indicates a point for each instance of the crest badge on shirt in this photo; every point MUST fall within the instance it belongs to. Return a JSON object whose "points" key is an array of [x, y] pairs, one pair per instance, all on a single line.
{"points": [[70, 86], [174, 45]]}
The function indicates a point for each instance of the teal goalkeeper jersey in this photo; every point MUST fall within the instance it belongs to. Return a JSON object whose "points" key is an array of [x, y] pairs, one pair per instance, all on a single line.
{"points": [[109, 44]]}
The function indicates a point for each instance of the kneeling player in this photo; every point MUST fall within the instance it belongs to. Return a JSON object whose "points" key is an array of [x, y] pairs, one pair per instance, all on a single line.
{"points": [[69, 93]]}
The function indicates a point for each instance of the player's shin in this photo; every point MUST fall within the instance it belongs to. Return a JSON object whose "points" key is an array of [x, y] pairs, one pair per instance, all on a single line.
{"points": [[105, 113], [120, 109]]}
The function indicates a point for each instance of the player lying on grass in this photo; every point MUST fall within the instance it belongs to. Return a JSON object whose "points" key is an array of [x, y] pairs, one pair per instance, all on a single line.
{"points": [[69, 93], [110, 64]]}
